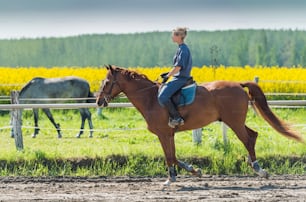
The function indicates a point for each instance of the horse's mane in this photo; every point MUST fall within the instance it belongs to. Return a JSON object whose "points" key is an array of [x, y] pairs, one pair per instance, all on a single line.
{"points": [[132, 75], [24, 88]]}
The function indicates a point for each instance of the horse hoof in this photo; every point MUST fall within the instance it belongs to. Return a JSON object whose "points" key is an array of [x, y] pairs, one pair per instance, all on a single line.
{"points": [[78, 136], [197, 173], [33, 136], [167, 183], [264, 174], [59, 137]]}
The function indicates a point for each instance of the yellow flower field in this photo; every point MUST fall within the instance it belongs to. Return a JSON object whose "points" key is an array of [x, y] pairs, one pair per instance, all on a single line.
{"points": [[271, 79]]}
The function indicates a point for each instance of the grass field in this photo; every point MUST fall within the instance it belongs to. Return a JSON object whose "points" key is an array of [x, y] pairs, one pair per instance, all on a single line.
{"points": [[123, 146]]}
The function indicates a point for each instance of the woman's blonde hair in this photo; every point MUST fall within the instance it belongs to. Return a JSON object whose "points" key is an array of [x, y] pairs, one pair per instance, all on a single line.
{"points": [[180, 31]]}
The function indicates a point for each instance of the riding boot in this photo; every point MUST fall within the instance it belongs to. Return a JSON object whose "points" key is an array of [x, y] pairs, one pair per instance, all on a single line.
{"points": [[175, 118]]}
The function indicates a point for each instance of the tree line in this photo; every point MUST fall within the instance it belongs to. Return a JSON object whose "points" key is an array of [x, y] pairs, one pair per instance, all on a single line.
{"points": [[229, 48]]}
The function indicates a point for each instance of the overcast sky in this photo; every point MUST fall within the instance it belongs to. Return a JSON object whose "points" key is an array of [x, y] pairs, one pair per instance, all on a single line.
{"points": [[45, 18]]}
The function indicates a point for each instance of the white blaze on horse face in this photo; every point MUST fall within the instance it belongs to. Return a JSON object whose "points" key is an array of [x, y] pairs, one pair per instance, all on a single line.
{"points": [[105, 89], [104, 82]]}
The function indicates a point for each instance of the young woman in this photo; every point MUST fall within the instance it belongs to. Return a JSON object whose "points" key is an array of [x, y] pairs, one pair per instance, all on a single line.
{"points": [[182, 64]]}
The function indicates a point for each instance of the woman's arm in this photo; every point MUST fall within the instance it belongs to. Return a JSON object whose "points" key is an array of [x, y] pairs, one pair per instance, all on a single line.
{"points": [[174, 71]]}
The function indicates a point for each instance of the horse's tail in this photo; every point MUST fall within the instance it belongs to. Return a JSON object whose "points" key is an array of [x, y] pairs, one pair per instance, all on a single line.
{"points": [[91, 97], [258, 98]]}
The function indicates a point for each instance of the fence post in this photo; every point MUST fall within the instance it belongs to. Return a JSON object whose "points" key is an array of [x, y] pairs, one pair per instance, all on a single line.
{"points": [[256, 79], [224, 129], [16, 121], [197, 136], [99, 112]]}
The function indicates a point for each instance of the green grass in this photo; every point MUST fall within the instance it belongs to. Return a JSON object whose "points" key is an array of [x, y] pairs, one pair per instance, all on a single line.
{"points": [[123, 146]]}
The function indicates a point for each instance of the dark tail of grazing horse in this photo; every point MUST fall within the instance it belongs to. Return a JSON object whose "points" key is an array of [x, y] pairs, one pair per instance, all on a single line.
{"points": [[260, 101], [92, 98]]}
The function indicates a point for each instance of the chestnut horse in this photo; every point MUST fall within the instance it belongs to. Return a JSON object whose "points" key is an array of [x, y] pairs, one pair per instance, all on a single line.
{"points": [[216, 101]]}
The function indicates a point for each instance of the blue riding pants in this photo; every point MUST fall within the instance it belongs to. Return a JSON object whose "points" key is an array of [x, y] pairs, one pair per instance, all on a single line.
{"points": [[170, 88]]}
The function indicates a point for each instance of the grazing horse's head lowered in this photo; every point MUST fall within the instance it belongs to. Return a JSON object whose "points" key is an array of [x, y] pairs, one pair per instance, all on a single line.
{"points": [[215, 101]]}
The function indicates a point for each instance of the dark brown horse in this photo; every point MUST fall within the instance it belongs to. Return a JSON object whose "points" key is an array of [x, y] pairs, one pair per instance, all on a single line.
{"points": [[216, 101]]}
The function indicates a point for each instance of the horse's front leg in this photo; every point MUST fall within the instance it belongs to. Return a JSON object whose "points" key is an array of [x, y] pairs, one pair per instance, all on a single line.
{"points": [[189, 168], [56, 125], [168, 145], [36, 129]]}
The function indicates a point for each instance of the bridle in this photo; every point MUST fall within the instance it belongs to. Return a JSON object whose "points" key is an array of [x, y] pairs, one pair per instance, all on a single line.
{"points": [[108, 96]]}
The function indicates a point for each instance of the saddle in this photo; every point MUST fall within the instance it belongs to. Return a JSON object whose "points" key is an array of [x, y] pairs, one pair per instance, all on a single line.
{"points": [[186, 95]]}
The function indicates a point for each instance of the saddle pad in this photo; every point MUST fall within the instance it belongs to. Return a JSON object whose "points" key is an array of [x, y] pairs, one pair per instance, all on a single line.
{"points": [[187, 95]]}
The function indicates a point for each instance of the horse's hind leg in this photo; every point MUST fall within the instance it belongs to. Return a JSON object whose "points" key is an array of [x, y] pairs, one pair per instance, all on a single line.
{"points": [[83, 118], [248, 138], [56, 125], [252, 157], [89, 122], [36, 129], [87, 115]]}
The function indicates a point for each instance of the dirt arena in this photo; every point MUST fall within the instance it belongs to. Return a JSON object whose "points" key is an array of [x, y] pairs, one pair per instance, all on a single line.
{"points": [[207, 188]]}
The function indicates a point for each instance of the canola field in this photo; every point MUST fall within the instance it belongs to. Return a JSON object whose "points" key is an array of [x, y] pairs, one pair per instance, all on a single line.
{"points": [[271, 79]]}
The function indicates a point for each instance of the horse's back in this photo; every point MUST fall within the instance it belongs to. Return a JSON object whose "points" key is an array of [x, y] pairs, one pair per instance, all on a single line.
{"points": [[67, 84], [229, 97], [62, 87], [225, 91]]}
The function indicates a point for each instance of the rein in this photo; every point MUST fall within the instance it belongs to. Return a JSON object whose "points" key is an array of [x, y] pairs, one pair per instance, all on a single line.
{"points": [[108, 96], [147, 88]]}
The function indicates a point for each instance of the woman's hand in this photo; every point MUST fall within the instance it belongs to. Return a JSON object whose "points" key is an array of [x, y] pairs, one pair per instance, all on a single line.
{"points": [[165, 77]]}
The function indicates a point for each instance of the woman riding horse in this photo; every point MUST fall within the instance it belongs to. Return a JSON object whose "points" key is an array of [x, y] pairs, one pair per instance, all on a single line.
{"points": [[182, 64], [216, 101]]}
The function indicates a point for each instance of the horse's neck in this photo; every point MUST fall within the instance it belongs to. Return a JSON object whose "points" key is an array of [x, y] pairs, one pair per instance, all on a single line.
{"points": [[142, 95]]}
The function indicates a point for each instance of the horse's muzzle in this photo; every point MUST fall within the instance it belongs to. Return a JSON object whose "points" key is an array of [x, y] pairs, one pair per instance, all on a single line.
{"points": [[101, 102]]}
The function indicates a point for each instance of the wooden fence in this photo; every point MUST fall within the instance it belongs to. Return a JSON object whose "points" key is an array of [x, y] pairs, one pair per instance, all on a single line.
{"points": [[16, 108]]}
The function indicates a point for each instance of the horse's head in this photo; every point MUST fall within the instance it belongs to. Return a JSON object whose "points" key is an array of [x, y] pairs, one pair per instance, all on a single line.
{"points": [[110, 87]]}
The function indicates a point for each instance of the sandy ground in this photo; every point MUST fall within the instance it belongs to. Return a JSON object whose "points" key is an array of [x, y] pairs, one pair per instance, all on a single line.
{"points": [[207, 188]]}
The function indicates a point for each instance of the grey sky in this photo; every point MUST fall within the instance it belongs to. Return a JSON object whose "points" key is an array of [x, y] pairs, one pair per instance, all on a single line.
{"points": [[38, 18]]}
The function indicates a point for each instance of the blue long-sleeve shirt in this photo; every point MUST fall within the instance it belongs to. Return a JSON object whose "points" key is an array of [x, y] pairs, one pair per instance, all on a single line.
{"points": [[183, 59]]}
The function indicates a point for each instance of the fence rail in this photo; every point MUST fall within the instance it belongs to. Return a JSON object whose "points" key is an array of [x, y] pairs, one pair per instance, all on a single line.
{"points": [[61, 106], [16, 114], [275, 103]]}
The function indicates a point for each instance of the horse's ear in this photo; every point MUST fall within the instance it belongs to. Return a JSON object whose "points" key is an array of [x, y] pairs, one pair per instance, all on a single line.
{"points": [[108, 67]]}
